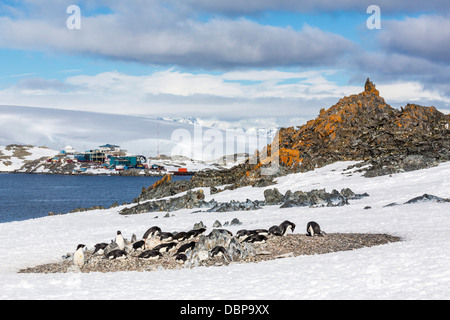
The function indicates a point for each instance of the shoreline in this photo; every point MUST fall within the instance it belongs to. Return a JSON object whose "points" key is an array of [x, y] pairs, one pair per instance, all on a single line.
{"points": [[97, 174]]}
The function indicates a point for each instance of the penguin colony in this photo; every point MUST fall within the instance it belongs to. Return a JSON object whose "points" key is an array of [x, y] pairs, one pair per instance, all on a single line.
{"points": [[181, 245]]}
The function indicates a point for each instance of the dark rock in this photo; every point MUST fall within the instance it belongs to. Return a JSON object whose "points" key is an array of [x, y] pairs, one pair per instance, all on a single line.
{"points": [[235, 222], [393, 204], [426, 198], [273, 196]]}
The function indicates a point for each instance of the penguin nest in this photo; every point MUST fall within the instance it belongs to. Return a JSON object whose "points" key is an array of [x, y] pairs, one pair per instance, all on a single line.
{"points": [[276, 247]]}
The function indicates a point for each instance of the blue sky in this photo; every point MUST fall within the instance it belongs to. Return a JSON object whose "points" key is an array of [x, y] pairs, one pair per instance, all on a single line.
{"points": [[224, 60]]}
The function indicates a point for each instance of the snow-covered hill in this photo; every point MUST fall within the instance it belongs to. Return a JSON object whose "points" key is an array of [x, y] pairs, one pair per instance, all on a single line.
{"points": [[57, 128], [13, 157], [224, 125], [415, 268]]}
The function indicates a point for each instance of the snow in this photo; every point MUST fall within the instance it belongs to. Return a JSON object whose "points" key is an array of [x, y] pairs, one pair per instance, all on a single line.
{"points": [[10, 163], [415, 268]]}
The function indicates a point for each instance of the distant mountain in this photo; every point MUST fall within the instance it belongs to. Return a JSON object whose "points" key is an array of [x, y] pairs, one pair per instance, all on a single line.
{"points": [[224, 125], [56, 128]]}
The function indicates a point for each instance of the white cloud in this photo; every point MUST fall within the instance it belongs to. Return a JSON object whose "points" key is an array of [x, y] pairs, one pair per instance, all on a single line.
{"points": [[411, 92], [229, 96], [426, 36], [153, 34]]}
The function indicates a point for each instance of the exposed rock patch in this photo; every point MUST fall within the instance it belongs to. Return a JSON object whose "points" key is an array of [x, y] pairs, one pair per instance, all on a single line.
{"points": [[195, 199], [291, 245]]}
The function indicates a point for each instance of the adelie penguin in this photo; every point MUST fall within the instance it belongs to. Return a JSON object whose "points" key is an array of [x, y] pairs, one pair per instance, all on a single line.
{"points": [[99, 248], [78, 257], [139, 245], [120, 240], [165, 247], [116, 254], [180, 236], [150, 254], [218, 251], [185, 247], [153, 231], [313, 229], [181, 258], [244, 234], [194, 233], [285, 226], [275, 231], [256, 238], [166, 236]]}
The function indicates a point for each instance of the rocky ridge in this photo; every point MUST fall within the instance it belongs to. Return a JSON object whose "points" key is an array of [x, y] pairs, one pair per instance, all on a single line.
{"points": [[363, 127], [196, 199]]}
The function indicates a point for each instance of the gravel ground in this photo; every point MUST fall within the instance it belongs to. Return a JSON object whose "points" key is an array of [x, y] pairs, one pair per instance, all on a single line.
{"points": [[291, 245]]}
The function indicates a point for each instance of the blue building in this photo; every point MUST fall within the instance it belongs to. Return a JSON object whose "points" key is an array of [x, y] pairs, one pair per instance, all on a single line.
{"points": [[128, 162]]}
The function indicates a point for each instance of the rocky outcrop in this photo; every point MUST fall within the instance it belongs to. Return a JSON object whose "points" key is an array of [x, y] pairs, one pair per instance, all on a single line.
{"points": [[363, 127], [192, 199], [313, 198], [427, 198], [196, 199], [164, 188]]}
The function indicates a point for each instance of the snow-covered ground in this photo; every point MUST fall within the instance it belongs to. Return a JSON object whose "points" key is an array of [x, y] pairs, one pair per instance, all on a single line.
{"points": [[9, 161], [416, 268]]}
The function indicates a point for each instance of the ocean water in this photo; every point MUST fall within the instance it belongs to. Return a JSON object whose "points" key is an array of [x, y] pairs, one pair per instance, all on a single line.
{"points": [[29, 196]]}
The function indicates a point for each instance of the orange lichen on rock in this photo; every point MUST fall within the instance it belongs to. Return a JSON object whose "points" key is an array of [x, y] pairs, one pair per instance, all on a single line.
{"points": [[369, 87], [289, 157], [166, 178]]}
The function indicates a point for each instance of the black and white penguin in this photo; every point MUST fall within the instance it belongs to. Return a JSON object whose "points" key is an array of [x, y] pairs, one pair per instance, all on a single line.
{"points": [[120, 240], [190, 235], [165, 247], [139, 245], [180, 236], [275, 231], [166, 236], [241, 233], [195, 233], [150, 254], [262, 232], [181, 258], [116, 254], [78, 257], [285, 226], [218, 251], [313, 229], [99, 248], [185, 247], [153, 231], [256, 238]]}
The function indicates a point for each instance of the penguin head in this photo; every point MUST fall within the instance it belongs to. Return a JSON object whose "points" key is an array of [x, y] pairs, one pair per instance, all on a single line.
{"points": [[118, 232], [81, 246]]}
